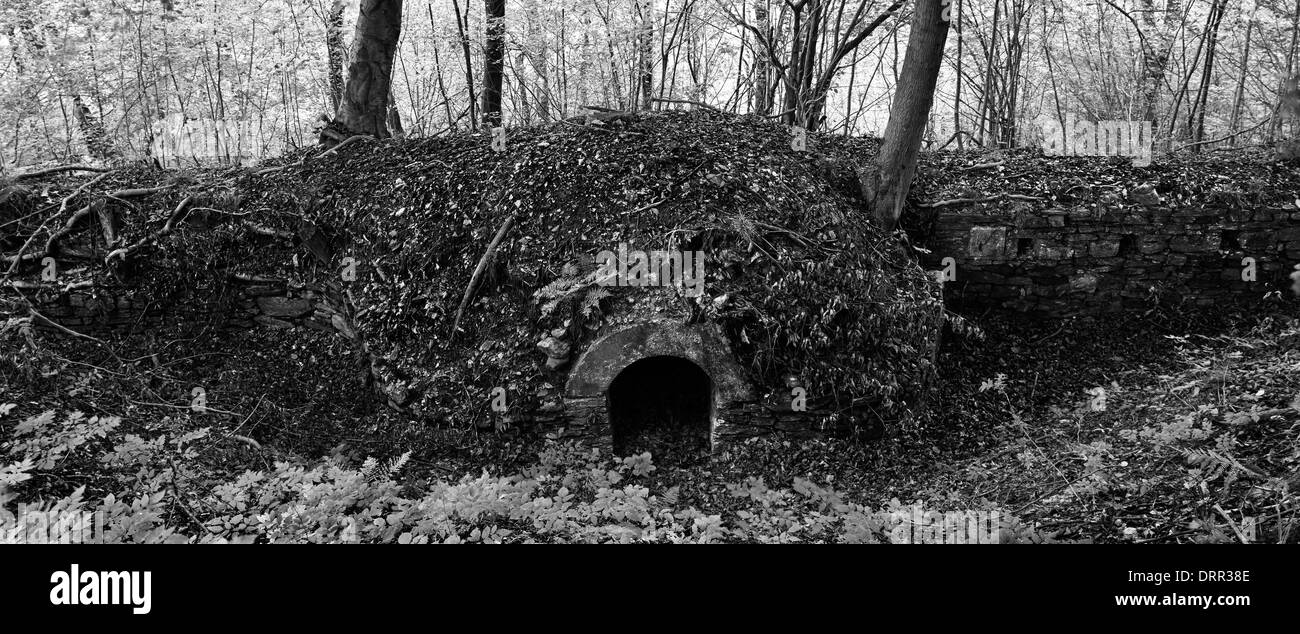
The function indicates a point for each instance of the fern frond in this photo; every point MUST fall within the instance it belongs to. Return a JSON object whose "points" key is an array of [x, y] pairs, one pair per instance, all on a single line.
{"points": [[375, 471]]}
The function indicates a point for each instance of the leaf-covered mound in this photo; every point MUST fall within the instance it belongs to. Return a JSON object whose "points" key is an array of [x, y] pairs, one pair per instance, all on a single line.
{"points": [[1242, 179], [799, 280]]}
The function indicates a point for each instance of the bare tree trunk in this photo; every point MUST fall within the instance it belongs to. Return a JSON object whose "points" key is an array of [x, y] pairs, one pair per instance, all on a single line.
{"points": [[794, 74], [990, 86], [584, 63], [1196, 119], [1181, 93], [810, 113], [885, 184], [335, 51], [393, 118], [442, 86], [1155, 58], [462, 25], [522, 106], [644, 91], [818, 44], [1241, 79], [535, 53], [956, 100], [617, 90], [761, 74], [366, 96], [494, 64]]}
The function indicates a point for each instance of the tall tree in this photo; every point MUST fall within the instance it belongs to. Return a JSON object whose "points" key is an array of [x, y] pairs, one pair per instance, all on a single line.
{"points": [[821, 40], [1157, 33], [1241, 76], [494, 65], [761, 78], [1157, 45], [462, 27], [645, 56], [336, 54], [1196, 118], [886, 183], [1275, 126], [366, 96]]}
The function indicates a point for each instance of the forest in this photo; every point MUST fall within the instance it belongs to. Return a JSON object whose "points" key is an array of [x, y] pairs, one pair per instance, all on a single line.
{"points": [[650, 271]]}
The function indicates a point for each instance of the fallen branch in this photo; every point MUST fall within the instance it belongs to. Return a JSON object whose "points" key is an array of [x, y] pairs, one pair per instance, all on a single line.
{"points": [[63, 205], [779, 114], [686, 101], [650, 206], [982, 166], [1164, 537], [986, 199], [204, 409], [1241, 535], [954, 137], [351, 139], [14, 260], [1050, 492], [256, 279], [1225, 138], [168, 227], [599, 127], [59, 170], [134, 193], [19, 257], [266, 231], [24, 285], [478, 271], [221, 211], [340, 146]]}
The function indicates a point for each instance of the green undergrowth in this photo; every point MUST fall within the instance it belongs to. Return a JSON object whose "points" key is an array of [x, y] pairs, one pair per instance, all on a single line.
{"points": [[569, 494]]}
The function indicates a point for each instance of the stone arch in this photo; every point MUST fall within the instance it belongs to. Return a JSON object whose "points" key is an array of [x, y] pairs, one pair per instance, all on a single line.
{"points": [[702, 345]]}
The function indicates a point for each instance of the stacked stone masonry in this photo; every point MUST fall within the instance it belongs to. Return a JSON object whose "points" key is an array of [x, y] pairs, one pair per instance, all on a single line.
{"points": [[1058, 262]]}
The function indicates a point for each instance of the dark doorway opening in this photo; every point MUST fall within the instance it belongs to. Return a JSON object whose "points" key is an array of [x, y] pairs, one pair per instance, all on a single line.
{"points": [[663, 405]]}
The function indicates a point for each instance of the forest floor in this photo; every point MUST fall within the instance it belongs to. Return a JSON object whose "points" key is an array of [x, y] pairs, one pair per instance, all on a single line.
{"points": [[1196, 439]]}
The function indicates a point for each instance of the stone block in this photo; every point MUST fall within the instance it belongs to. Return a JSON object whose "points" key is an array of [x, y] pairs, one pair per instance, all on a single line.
{"points": [[987, 242], [282, 307]]}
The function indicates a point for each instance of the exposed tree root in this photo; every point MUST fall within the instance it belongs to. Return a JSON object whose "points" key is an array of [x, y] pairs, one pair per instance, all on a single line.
{"points": [[477, 278], [347, 141], [177, 215], [59, 170]]}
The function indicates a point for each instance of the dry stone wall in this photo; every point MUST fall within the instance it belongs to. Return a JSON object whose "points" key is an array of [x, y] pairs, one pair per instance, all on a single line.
{"points": [[240, 306], [1022, 258]]}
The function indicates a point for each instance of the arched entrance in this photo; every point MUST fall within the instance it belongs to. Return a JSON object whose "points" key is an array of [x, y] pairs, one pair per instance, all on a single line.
{"points": [[682, 370], [661, 403]]}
